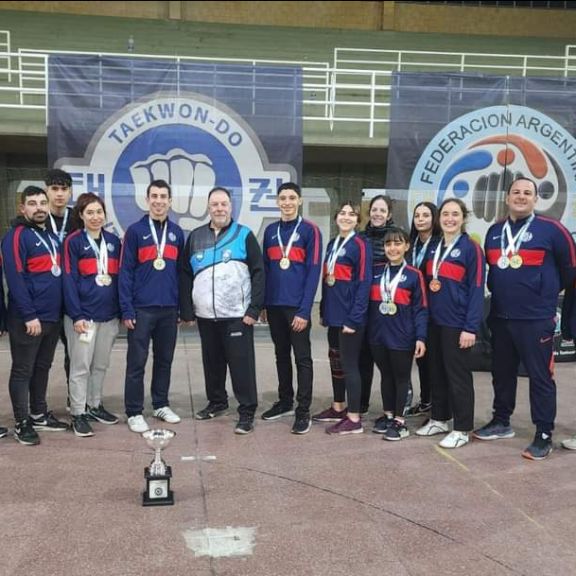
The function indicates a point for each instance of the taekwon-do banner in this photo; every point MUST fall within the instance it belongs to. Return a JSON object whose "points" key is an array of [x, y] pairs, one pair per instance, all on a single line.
{"points": [[116, 124], [463, 136]]}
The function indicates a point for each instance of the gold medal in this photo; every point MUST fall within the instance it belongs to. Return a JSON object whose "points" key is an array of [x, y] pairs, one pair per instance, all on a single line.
{"points": [[330, 279], [392, 308], [159, 263], [516, 261], [435, 285], [284, 263]]}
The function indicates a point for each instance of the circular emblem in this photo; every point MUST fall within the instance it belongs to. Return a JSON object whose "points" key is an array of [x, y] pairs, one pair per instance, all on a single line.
{"points": [[226, 255], [110, 247], [199, 256], [455, 253], [172, 237]]}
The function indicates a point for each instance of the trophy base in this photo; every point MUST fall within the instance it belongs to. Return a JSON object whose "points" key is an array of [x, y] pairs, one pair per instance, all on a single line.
{"points": [[158, 491]]}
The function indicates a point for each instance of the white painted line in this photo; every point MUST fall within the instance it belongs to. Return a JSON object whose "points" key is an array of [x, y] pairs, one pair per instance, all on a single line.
{"points": [[221, 542], [203, 458]]}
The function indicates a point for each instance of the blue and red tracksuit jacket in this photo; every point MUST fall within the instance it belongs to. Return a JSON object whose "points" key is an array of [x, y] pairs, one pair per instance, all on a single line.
{"points": [[140, 284], [33, 291], [460, 301], [2, 302], [83, 298], [548, 265], [346, 302], [410, 323], [295, 287]]}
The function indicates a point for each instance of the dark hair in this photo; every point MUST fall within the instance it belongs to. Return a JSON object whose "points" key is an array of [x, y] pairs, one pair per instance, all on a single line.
{"points": [[289, 186], [435, 220], [387, 199], [354, 205], [220, 189], [81, 204], [393, 234], [31, 191], [57, 177], [159, 184], [462, 206], [527, 180]]}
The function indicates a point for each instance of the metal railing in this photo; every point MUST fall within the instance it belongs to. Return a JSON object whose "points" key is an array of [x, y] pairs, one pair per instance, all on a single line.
{"points": [[354, 89]]}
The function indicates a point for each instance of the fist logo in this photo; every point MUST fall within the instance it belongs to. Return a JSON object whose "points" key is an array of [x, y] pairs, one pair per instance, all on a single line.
{"points": [[191, 177]]}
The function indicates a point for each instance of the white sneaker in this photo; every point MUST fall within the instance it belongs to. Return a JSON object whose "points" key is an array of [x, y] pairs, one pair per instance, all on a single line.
{"points": [[454, 440], [569, 444], [138, 424], [433, 427], [165, 413]]}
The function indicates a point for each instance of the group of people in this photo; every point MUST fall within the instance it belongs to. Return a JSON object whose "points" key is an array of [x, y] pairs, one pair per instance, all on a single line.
{"points": [[388, 296]]}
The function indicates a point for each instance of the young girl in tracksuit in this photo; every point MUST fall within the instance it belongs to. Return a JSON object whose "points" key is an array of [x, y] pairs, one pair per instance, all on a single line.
{"points": [[424, 234], [397, 325], [455, 269], [345, 288]]}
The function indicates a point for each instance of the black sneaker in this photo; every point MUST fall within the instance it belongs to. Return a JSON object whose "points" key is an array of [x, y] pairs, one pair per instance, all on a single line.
{"points": [[3, 431], [396, 431], [245, 425], [540, 448], [48, 423], [278, 410], [81, 427], [25, 434], [302, 425], [419, 409], [101, 415], [212, 411], [381, 424]]}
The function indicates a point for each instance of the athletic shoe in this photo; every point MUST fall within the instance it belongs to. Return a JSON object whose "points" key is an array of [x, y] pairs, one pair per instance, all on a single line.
{"points": [[494, 430], [540, 448], [81, 427], [3, 431], [48, 423], [101, 415], [138, 424], [381, 424], [345, 426], [419, 409], [455, 439], [278, 410], [330, 415], [569, 443], [302, 425], [245, 425], [25, 434], [167, 415], [396, 431], [212, 411], [433, 427]]}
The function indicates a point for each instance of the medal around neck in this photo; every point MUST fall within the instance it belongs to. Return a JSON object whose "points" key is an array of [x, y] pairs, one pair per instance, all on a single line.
{"points": [[103, 280], [284, 263], [330, 279], [516, 261], [56, 270], [159, 264], [503, 262], [158, 474], [435, 285]]}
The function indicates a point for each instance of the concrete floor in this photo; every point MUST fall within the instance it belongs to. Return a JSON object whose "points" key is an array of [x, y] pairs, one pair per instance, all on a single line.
{"points": [[301, 505]]}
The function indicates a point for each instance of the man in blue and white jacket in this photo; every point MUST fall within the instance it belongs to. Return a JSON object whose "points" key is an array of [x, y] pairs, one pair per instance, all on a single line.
{"points": [[531, 259], [222, 287]]}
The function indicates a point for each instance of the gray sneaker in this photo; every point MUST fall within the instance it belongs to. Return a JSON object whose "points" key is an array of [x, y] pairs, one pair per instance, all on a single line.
{"points": [[494, 430]]}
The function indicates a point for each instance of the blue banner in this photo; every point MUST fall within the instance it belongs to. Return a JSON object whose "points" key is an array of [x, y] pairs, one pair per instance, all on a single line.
{"points": [[457, 135], [117, 124]]}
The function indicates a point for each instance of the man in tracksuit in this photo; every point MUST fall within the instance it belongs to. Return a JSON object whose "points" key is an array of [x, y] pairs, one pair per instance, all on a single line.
{"points": [[222, 287], [531, 258], [33, 271], [292, 261], [148, 294]]}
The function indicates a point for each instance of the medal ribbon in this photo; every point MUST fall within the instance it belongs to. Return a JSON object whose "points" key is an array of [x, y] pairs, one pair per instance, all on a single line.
{"points": [[292, 239], [53, 253], [514, 242], [336, 247], [162, 245], [387, 287], [60, 233], [439, 259], [101, 254], [419, 254]]}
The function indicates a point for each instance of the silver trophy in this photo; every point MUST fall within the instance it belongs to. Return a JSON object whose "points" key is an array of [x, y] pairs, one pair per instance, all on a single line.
{"points": [[158, 474]]}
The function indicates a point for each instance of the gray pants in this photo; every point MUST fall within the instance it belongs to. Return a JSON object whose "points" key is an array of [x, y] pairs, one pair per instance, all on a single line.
{"points": [[89, 362]]}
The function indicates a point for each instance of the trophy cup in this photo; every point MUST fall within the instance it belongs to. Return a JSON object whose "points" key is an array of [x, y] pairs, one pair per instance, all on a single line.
{"points": [[158, 475]]}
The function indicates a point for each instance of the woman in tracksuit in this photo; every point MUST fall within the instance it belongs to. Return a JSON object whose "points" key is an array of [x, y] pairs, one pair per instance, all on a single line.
{"points": [[424, 234], [455, 270], [91, 263], [345, 289]]}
